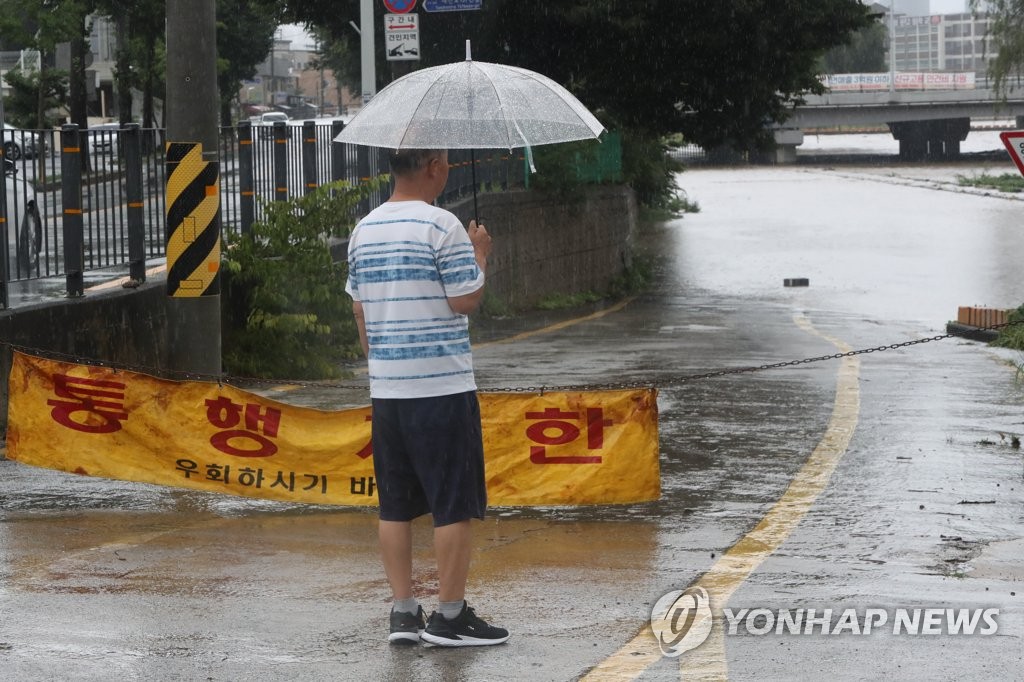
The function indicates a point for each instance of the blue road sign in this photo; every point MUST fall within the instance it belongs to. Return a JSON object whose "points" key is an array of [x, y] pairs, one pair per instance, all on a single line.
{"points": [[451, 5]]}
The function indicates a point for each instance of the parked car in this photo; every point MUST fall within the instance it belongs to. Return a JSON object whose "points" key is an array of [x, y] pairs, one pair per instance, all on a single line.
{"points": [[103, 138], [19, 143], [25, 231], [265, 122]]}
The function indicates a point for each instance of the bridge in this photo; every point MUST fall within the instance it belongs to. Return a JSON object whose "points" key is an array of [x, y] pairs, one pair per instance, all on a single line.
{"points": [[929, 123]]}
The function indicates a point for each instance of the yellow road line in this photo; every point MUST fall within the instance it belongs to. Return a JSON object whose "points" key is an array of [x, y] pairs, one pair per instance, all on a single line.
{"points": [[708, 661], [518, 337], [559, 325]]}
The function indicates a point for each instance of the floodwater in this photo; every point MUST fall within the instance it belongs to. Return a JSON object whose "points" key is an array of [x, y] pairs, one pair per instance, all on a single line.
{"points": [[889, 242], [918, 503], [983, 140]]}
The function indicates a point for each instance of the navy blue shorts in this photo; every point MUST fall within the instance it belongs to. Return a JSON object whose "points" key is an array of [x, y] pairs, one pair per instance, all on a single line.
{"points": [[428, 458]]}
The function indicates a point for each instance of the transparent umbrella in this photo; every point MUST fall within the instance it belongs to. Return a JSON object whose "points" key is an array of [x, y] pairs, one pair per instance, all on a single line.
{"points": [[471, 105]]}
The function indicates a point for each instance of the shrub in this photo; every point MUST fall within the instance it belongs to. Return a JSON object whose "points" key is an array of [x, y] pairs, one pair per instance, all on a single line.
{"points": [[1012, 336], [285, 310]]}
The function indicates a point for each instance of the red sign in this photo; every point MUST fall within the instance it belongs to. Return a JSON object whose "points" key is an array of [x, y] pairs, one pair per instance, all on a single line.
{"points": [[1013, 140], [400, 6]]}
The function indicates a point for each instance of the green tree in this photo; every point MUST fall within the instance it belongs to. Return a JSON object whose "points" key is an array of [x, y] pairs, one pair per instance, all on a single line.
{"points": [[20, 107], [245, 33], [42, 25], [864, 53], [1006, 39], [245, 36], [139, 61], [718, 72], [340, 54]]}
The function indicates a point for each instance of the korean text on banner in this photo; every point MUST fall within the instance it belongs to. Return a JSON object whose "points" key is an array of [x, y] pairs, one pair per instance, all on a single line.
{"points": [[595, 447]]}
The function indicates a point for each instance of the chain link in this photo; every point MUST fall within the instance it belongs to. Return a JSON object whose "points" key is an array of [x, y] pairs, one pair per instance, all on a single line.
{"points": [[613, 385]]}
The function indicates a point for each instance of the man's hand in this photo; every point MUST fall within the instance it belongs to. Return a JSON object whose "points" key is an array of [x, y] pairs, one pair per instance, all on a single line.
{"points": [[481, 243]]}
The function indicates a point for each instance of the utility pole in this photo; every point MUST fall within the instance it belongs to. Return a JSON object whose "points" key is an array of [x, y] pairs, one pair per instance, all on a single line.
{"points": [[273, 73], [892, 46], [193, 188], [367, 56]]}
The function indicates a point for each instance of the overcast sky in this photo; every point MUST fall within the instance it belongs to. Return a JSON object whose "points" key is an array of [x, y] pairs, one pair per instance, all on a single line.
{"points": [[300, 39], [945, 6]]}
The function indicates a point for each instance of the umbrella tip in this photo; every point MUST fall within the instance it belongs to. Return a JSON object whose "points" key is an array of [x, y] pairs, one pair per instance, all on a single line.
{"points": [[469, 52]]}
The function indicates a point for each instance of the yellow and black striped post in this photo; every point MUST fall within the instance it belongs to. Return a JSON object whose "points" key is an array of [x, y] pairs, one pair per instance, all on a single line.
{"points": [[193, 222]]}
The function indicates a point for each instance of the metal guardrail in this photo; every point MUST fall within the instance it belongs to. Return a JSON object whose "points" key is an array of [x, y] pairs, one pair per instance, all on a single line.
{"points": [[74, 201]]}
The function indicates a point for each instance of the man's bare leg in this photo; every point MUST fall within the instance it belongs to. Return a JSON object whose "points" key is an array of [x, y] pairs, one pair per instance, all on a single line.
{"points": [[453, 546], [396, 554], [454, 624]]}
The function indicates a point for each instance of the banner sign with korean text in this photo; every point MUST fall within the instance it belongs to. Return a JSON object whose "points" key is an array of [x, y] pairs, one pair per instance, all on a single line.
{"points": [[594, 447]]}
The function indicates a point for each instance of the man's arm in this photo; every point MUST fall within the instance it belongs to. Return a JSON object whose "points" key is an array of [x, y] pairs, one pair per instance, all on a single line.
{"points": [[467, 303], [357, 312]]}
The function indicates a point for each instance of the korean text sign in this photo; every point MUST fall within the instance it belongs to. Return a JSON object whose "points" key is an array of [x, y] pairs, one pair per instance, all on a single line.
{"points": [[597, 447]]}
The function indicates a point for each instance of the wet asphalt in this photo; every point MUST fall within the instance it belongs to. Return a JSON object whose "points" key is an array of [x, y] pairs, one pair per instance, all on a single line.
{"points": [[104, 580]]}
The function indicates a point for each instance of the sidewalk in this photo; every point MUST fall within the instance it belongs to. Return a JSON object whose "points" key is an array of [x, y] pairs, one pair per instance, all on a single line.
{"points": [[26, 292]]}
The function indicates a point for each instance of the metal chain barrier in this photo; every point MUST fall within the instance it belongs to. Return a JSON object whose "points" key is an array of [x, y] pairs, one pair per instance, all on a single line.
{"points": [[615, 385]]}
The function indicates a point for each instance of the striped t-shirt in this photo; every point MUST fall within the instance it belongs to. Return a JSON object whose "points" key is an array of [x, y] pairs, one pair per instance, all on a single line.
{"points": [[405, 259]]}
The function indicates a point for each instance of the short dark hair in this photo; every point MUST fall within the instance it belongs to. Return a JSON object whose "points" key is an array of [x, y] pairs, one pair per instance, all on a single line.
{"points": [[408, 161]]}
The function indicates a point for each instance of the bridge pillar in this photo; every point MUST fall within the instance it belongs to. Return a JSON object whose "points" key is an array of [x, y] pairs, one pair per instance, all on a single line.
{"points": [[1019, 122], [784, 151], [786, 142], [937, 139]]}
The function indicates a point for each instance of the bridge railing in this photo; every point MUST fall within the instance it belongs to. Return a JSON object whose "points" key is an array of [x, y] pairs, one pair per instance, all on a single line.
{"points": [[902, 80]]}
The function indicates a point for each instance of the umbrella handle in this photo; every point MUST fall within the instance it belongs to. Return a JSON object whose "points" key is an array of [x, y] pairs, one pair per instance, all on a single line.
{"points": [[472, 163]]}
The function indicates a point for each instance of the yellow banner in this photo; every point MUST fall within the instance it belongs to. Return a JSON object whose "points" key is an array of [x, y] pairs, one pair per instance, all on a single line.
{"points": [[597, 447]]}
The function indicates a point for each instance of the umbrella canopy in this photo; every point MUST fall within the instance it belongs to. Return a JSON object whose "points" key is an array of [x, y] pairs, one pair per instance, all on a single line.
{"points": [[470, 105]]}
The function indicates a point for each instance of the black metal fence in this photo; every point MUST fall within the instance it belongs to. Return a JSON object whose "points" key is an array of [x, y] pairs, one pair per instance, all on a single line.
{"points": [[73, 201]]}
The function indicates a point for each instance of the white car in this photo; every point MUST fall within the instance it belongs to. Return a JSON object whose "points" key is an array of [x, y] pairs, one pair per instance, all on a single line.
{"points": [[24, 224], [103, 138], [266, 122], [19, 143]]}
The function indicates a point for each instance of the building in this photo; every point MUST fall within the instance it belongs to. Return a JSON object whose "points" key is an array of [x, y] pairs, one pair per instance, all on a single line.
{"points": [[965, 44], [288, 80], [937, 42]]}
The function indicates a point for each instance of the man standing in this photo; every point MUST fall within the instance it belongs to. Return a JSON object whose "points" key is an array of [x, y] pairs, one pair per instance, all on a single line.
{"points": [[414, 275]]}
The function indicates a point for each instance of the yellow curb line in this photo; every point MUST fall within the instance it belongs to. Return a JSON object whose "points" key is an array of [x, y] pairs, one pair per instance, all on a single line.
{"points": [[558, 325], [518, 337], [708, 661]]}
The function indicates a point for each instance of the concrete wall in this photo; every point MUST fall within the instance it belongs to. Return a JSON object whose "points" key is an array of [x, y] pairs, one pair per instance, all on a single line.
{"points": [[542, 247], [127, 324], [545, 246]]}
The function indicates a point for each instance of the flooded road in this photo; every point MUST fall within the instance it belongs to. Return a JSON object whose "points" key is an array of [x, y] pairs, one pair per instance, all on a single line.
{"points": [[886, 481]]}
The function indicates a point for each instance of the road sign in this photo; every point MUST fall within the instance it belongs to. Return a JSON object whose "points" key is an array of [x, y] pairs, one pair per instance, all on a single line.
{"points": [[400, 6], [401, 36], [451, 5], [1013, 140]]}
